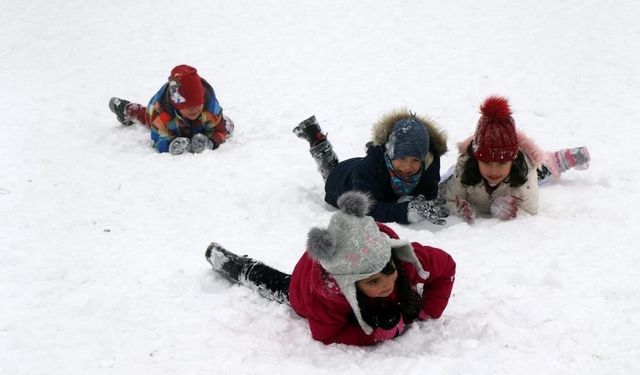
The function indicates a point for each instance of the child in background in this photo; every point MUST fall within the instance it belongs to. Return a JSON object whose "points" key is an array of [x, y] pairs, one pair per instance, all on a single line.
{"points": [[498, 170], [183, 116], [357, 282], [401, 170]]}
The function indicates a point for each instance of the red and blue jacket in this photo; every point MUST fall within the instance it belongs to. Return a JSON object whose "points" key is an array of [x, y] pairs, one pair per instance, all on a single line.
{"points": [[166, 123]]}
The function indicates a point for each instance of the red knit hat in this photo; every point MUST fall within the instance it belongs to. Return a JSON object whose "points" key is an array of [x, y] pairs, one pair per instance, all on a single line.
{"points": [[185, 87], [495, 139]]}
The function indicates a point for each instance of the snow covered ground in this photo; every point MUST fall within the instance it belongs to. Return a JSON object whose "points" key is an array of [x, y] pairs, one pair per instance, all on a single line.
{"points": [[102, 268]]}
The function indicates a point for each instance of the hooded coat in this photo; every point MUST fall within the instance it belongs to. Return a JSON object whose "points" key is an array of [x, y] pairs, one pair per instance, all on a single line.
{"points": [[369, 174], [315, 295], [166, 123], [477, 195]]}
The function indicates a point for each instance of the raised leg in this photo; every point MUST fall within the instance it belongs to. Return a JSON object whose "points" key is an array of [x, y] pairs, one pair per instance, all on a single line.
{"points": [[563, 160], [320, 148]]}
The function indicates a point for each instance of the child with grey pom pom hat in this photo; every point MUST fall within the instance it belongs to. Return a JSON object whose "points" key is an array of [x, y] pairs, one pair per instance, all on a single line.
{"points": [[357, 283]]}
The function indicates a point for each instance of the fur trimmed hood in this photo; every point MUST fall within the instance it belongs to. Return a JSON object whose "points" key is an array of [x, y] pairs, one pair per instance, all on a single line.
{"points": [[382, 129], [535, 154]]}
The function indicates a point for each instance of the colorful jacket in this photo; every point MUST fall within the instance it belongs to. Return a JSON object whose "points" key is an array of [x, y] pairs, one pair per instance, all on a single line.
{"points": [[370, 175], [314, 295], [477, 195], [166, 123]]}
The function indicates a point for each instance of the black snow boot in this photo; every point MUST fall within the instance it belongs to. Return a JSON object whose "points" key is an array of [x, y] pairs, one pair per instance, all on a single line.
{"points": [[543, 173], [325, 157], [310, 131], [226, 263], [119, 106], [269, 282]]}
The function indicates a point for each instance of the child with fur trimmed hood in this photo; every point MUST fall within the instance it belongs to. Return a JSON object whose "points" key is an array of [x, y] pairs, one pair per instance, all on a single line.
{"points": [[357, 283], [499, 168], [400, 171]]}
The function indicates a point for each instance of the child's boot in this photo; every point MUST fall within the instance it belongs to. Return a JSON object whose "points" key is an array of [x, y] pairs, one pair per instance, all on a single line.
{"points": [[267, 281], [228, 264], [568, 158], [325, 157], [310, 131], [320, 148], [119, 107]]}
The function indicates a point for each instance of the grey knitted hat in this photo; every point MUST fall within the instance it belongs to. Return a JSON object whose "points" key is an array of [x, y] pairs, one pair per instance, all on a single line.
{"points": [[408, 137], [352, 248]]}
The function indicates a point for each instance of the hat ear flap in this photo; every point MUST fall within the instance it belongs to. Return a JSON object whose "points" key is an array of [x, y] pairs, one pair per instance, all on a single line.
{"points": [[403, 251], [321, 245]]}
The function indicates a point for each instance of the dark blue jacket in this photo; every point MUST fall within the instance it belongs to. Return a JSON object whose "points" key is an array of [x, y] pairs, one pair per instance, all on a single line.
{"points": [[370, 175]]}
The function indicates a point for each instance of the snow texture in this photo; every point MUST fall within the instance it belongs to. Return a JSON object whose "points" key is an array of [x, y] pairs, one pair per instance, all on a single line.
{"points": [[103, 239]]}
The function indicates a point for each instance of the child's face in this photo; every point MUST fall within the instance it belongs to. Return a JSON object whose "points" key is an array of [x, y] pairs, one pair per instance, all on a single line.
{"points": [[378, 285], [407, 166], [495, 172], [192, 113]]}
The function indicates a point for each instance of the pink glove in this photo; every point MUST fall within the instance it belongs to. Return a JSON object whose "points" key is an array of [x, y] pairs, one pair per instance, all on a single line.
{"points": [[464, 210], [505, 207], [423, 315], [381, 334]]}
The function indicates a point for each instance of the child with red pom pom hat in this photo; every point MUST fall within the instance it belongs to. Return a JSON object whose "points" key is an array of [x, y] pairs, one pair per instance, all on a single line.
{"points": [[499, 168]]}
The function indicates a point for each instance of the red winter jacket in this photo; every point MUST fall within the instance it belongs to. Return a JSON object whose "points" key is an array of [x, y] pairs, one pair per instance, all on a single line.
{"points": [[314, 295]]}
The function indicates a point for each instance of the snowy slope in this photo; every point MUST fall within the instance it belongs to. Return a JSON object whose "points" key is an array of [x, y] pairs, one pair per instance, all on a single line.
{"points": [[102, 268]]}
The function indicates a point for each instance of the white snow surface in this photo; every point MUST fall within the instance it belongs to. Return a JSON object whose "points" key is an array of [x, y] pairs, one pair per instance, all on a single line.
{"points": [[102, 268]]}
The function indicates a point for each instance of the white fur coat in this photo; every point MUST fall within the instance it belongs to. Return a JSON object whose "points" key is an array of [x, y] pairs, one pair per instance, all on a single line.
{"points": [[452, 189]]}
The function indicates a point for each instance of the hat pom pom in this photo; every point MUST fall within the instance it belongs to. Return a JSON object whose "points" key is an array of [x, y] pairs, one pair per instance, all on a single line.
{"points": [[496, 107], [355, 203], [320, 244]]}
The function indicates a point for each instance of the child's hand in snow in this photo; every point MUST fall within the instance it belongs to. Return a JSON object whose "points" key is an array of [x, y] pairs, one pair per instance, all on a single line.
{"points": [[505, 207], [464, 210], [179, 146]]}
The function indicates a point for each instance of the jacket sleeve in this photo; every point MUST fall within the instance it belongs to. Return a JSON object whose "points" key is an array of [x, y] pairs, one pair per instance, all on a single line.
{"points": [[160, 122], [370, 175], [340, 333], [216, 128], [215, 122], [438, 286], [333, 322], [369, 178], [451, 188], [160, 133], [528, 193]]}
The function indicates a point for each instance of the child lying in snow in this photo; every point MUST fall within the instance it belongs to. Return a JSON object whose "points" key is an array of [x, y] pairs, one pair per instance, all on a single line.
{"points": [[400, 171], [356, 283], [183, 116], [498, 170]]}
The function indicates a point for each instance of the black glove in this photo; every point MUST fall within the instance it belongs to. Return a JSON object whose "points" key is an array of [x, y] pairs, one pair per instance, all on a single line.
{"points": [[433, 210], [200, 142], [179, 145], [389, 317], [386, 318]]}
